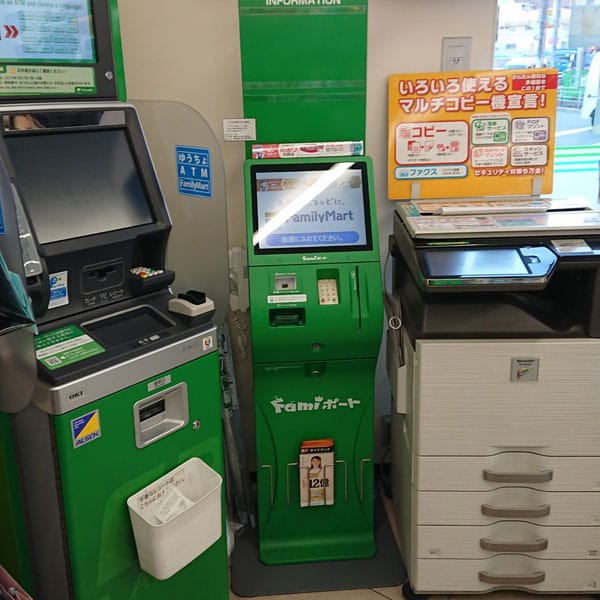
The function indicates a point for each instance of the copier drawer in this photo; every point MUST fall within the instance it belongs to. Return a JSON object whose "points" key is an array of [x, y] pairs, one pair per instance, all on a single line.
{"points": [[479, 542], [482, 508], [475, 473], [482, 397], [506, 571]]}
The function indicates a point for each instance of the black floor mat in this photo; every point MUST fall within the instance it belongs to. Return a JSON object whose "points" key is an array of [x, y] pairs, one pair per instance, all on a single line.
{"points": [[250, 577]]}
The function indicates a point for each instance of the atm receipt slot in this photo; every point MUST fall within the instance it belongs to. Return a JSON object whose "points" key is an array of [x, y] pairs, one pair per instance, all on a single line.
{"points": [[192, 304]]}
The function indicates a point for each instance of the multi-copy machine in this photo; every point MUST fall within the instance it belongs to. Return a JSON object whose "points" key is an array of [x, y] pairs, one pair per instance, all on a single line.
{"points": [[316, 321], [495, 447]]}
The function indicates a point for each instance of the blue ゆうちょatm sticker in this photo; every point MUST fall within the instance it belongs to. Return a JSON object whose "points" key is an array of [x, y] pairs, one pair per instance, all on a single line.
{"points": [[194, 176]]}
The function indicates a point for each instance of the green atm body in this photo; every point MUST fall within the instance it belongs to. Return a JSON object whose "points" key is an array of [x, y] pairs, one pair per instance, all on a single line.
{"points": [[316, 318], [78, 480]]}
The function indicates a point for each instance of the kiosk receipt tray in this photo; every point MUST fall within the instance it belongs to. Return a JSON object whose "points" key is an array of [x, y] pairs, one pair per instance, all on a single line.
{"points": [[176, 518]]}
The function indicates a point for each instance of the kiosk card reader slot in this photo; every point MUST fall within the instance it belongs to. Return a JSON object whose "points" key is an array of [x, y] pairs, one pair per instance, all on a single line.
{"points": [[285, 283]]}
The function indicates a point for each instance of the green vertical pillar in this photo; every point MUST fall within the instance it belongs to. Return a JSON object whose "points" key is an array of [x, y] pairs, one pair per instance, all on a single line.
{"points": [[117, 46], [304, 66]]}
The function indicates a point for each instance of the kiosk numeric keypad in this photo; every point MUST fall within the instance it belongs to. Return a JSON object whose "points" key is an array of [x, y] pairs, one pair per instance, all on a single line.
{"points": [[328, 292]]}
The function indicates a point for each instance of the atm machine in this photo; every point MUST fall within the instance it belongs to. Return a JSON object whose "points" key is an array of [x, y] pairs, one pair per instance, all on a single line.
{"points": [[496, 452], [127, 389], [316, 321]]}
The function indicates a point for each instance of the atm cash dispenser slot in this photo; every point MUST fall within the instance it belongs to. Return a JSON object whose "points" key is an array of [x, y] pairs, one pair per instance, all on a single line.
{"points": [[160, 414]]}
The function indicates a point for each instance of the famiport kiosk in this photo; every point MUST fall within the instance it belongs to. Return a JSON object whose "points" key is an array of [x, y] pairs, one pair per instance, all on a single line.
{"points": [[316, 320], [128, 378]]}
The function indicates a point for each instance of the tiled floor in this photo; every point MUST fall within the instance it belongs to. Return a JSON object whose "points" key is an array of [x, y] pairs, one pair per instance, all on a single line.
{"points": [[395, 593]]}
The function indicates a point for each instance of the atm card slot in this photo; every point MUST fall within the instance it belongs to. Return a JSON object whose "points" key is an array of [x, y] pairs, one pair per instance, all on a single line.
{"points": [[279, 317]]}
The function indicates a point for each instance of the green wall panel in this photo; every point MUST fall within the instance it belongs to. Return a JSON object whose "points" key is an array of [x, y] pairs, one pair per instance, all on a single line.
{"points": [[304, 69]]}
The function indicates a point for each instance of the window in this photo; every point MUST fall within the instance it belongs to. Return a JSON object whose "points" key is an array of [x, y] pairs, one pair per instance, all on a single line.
{"points": [[564, 34]]}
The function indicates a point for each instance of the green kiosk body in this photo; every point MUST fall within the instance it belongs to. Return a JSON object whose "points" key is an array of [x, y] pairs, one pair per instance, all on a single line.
{"points": [[120, 453], [316, 322]]}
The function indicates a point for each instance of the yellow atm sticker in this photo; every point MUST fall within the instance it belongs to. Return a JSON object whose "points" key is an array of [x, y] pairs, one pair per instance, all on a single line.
{"points": [[86, 428]]}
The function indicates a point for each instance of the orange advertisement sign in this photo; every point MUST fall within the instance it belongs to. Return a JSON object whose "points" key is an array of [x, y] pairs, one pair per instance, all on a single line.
{"points": [[471, 134]]}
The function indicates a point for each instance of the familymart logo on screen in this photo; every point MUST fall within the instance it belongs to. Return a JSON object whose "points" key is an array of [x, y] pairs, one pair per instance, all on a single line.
{"points": [[303, 2]]}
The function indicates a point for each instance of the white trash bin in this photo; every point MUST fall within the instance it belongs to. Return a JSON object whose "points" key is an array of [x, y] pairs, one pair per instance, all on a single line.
{"points": [[176, 518]]}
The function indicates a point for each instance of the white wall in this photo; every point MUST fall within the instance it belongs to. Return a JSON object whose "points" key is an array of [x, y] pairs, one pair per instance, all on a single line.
{"points": [[406, 37], [188, 51]]}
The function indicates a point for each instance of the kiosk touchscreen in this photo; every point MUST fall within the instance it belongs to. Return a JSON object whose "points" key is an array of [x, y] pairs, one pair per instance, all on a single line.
{"points": [[316, 319], [319, 207]]}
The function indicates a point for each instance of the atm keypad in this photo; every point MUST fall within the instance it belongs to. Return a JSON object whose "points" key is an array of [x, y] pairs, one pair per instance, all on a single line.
{"points": [[328, 292], [145, 272]]}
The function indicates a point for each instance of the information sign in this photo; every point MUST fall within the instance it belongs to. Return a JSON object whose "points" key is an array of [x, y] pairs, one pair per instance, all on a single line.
{"points": [[469, 134]]}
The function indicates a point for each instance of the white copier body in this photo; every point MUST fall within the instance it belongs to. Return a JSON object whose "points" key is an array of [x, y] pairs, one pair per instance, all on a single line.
{"points": [[495, 376]]}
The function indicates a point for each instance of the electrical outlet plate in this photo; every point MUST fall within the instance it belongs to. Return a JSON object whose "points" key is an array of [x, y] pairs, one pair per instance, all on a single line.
{"points": [[456, 53]]}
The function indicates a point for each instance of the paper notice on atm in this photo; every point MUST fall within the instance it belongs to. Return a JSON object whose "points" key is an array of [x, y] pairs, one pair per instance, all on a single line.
{"points": [[173, 504], [65, 346]]}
